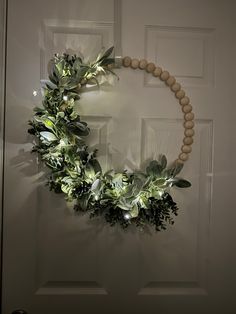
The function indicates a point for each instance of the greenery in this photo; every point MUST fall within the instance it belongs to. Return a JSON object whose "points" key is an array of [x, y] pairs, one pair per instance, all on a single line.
{"points": [[140, 198]]}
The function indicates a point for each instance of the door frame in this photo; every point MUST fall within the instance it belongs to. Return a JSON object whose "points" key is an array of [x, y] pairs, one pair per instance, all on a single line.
{"points": [[3, 63]]}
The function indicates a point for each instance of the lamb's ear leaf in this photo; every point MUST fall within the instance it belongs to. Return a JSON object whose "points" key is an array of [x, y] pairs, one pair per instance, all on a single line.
{"points": [[154, 168], [163, 161], [96, 186], [96, 165], [82, 202], [174, 170], [106, 54], [134, 211], [181, 183], [178, 167], [107, 61], [50, 137], [59, 67]]}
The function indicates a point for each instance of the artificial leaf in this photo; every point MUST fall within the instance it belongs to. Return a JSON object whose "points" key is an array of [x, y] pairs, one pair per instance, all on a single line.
{"points": [[96, 165], [95, 187], [176, 169], [181, 183], [50, 137], [160, 182], [59, 66], [77, 64], [83, 202], [154, 168], [163, 161], [106, 54], [89, 171], [134, 211], [48, 84]]}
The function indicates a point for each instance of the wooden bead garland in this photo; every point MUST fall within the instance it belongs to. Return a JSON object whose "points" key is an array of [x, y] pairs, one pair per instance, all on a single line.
{"points": [[184, 100]]}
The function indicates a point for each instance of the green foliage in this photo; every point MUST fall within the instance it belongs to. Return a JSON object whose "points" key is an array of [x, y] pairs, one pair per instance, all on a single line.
{"points": [[124, 198]]}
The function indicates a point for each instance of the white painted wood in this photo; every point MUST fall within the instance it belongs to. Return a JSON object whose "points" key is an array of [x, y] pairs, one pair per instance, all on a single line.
{"points": [[58, 262]]}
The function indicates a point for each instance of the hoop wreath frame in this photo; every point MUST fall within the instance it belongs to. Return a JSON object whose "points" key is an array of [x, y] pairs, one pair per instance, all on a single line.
{"points": [[141, 198]]}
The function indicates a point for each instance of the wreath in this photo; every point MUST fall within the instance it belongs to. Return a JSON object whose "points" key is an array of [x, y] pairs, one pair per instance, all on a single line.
{"points": [[139, 198]]}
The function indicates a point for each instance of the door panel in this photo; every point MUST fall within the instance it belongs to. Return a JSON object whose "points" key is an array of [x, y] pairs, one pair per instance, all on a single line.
{"points": [[59, 262]]}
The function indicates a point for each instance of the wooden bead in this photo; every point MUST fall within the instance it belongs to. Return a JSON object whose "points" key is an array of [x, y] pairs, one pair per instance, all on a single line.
{"points": [[176, 87], [165, 75], [180, 94], [150, 67], [126, 61], [184, 101], [171, 80], [189, 116], [134, 63], [186, 149], [188, 124], [188, 140], [187, 108], [178, 161], [157, 72], [142, 64], [183, 156], [189, 132]]}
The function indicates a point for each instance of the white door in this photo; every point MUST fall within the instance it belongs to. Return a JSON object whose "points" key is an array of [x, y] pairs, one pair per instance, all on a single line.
{"points": [[58, 262]]}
